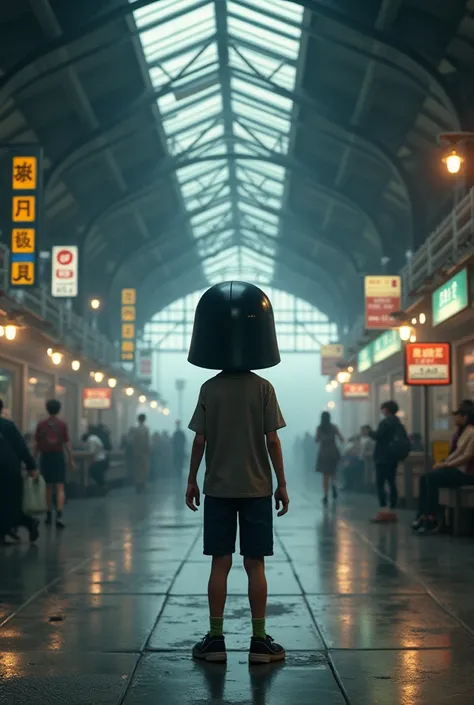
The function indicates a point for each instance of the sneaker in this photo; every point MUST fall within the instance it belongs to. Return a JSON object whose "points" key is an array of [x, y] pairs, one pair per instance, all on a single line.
{"points": [[59, 524], [49, 520], [418, 523], [33, 531], [265, 650], [429, 527], [211, 648]]}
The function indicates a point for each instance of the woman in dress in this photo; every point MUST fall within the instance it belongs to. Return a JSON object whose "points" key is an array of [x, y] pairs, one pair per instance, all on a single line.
{"points": [[329, 454]]}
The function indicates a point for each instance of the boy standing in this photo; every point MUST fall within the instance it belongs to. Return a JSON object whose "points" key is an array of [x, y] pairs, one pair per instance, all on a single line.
{"points": [[52, 441], [236, 422]]}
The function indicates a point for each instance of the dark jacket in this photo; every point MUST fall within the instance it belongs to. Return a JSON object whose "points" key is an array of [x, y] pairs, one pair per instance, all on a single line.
{"points": [[383, 437], [16, 451]]}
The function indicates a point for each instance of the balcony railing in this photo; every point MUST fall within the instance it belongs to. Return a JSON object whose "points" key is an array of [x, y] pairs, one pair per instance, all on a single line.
{"points": [[443, 249]]}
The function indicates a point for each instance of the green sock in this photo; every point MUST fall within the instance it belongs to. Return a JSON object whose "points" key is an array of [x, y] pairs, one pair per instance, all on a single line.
{"points": [[258, 627], [217, 626]]}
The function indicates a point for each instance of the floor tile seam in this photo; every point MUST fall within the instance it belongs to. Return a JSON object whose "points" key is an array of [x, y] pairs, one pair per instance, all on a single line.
{"points": [[413, 576], [330, 662], [54, 582], [145, 646]]}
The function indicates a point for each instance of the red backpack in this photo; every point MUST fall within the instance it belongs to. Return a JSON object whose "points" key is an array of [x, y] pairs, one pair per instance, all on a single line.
{"points": [[51, 437]]}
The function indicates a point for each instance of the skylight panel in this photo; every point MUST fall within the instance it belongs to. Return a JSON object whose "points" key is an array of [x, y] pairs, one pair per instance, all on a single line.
{"points": [[180, 46]]}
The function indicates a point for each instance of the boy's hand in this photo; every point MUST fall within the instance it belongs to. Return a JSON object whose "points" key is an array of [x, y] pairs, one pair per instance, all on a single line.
{"points": [[193, 496], [281, 497]]}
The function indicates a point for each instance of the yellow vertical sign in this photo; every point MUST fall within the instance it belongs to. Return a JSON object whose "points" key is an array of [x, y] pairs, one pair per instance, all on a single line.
{"points": [[26, 172], [128, 314]]}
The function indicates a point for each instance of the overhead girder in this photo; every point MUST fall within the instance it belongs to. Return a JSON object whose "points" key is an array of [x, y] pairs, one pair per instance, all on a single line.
{"points": [[317, 33], [123, 11], [373, 146], [328, 291], [274, 158], [387, 42], [302, 234]]}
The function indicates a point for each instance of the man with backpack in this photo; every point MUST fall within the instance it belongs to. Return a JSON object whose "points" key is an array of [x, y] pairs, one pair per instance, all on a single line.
{"points": [[52, 441], [392, 446]]}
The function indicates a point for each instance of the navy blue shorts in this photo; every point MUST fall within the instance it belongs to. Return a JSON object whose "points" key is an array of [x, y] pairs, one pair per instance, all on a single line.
{"points": [[255, 516], [53, 468]]}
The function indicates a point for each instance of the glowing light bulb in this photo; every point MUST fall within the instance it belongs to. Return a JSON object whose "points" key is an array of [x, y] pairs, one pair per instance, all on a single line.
{"points": [[95, 304], [99, 377], [129, 391], [56, 358], [49, 352], [154, 404], [331, 404], [112, 382], [413, 338], [142, 399], [10, 332], [328, 388], [334, 383], [413, 321], [454, 162], [166, 412], [33, 380], [405, 332], [76, 365], [422, 318], [343, 376]]}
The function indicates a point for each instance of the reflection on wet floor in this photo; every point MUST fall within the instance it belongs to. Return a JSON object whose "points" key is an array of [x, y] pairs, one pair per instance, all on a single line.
{"points": [[106, 613]]}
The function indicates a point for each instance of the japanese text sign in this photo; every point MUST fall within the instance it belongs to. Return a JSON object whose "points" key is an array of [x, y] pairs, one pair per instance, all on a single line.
{"points": [[26, 171], [128, 314], [450, 298], [355, 391], [330, 356], [383, 296], [64, 275], [97, 398], [145, 366], [428, 364]]}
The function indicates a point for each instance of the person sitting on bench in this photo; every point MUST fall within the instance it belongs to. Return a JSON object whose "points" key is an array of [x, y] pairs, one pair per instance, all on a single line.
{"points": [[456, 471]]}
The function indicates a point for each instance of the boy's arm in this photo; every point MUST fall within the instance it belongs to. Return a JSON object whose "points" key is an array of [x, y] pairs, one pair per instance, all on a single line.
{"points": [[276, 456], [193, 495]]}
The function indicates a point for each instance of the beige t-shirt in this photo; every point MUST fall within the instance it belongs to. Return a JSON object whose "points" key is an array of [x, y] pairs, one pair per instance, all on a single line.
{"points": [[140, 439], [234, 412]]}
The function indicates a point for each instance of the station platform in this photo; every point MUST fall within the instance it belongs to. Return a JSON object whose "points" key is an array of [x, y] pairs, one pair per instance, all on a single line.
{"points": [[106, 612]]}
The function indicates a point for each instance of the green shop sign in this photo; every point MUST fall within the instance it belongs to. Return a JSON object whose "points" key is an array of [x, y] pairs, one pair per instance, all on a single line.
{"points": [[386, 345], [451, 298], [380, 349], [364, 359]]}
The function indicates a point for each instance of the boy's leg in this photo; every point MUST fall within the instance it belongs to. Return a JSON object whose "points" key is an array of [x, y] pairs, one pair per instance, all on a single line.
{"points": [[256, 542], [220, 531], [255, 568], [217, 592]]}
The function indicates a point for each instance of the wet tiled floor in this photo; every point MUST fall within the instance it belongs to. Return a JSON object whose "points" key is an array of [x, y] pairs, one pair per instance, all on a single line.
{"points": [[106, 613]]}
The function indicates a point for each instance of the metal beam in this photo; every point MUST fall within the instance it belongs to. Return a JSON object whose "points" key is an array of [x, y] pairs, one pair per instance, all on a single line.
{"points": [[274, 158], [220, 10], [399, 48]]}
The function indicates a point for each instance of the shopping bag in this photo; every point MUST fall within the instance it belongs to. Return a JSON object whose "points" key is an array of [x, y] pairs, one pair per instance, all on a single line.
{"points": [[34, 495]]}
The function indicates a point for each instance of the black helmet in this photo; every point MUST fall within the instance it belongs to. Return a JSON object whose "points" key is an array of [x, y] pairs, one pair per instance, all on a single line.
{"points": [[234, 329]]}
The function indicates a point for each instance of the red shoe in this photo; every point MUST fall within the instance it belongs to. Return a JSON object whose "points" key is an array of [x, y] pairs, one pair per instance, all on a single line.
{"points": [[384, 517]]}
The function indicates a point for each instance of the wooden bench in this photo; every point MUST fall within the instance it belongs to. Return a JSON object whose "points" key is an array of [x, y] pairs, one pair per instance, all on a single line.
{"points": [[79, 483], [460, 503], [408, 479]]}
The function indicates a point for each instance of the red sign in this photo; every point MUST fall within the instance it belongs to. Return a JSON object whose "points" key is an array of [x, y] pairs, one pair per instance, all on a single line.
{"points": [[64, 257], [428, 364], [97, 398], [355, 390], [383, 297]]}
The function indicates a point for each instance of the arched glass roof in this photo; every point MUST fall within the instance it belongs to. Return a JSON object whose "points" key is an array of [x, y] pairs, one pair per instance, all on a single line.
{"points": [[212, 63]]}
